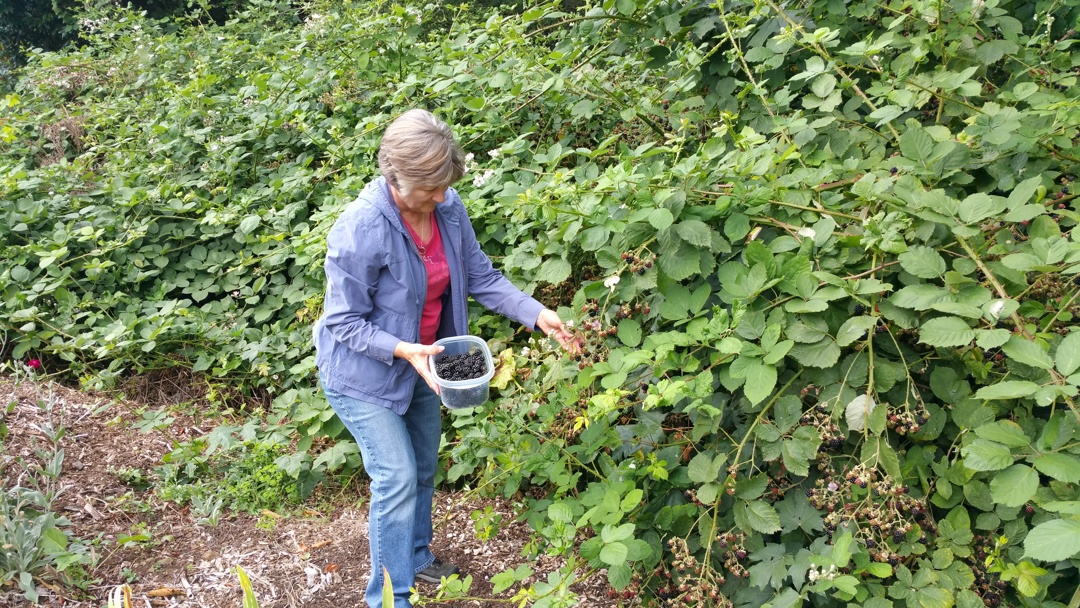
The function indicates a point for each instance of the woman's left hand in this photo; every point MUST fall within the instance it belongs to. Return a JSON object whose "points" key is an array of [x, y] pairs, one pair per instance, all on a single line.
{"points": [[550, 323]]}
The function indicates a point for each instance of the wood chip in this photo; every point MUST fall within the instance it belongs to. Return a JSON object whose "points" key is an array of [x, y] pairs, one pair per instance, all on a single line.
{"points": [[94, 513], [165, 592], [322, 543]]}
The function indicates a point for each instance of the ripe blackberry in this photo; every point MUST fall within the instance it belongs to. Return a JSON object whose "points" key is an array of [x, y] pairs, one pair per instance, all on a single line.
{"points": [[462, 366], [860, 310]]}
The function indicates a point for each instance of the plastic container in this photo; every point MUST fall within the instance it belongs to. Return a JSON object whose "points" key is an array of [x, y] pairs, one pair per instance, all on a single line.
{"points": [[462, 394]]}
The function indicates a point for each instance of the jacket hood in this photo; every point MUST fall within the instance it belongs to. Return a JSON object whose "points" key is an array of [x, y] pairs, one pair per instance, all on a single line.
{"points": [[383, 201]]}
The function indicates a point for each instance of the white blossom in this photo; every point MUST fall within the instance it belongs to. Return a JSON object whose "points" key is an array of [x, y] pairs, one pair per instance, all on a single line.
{"points": [[481, 179], [996, 308], [611, 282]]}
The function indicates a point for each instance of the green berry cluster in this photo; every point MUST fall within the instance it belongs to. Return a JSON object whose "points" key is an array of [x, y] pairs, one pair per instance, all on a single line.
{"points": [[879, 511], [688, 582]]}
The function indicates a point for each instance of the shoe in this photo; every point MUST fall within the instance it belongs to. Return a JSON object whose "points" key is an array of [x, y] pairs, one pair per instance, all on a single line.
{"points": [[436, 572]]}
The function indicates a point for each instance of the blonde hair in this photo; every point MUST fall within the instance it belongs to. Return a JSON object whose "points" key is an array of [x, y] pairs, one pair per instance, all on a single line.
{"points": [[419, 151]]}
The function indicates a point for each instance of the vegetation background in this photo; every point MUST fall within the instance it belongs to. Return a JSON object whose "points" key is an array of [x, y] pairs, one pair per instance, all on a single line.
{"points": [[821, 254]]}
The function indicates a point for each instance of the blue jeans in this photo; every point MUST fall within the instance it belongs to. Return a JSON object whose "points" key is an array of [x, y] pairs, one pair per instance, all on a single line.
{"points": [[400, 456]]}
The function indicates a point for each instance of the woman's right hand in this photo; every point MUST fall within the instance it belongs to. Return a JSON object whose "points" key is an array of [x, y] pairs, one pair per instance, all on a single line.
{"points": [[417, 355]]}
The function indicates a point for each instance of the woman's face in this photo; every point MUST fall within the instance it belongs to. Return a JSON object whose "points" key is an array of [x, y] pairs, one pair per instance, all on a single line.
{"points": [[420, 201]]}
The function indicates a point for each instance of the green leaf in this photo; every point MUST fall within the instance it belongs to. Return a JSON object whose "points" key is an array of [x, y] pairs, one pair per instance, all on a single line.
{"points": [[610, 534], [1004, 431], [1009, 389], [759, 515], [626, 7], [560, 511], [858, 411], [630, 332], [501, 582], [822, 354], [707, 492], [1026, 574], [594, 238], [53, 541], [680, 265], [661, 218], [854, 328], [991, 338], [1053, 541], [554, 271], [614, 554], [796, 513], [249, 600], [947, 385], [933, 597], [703, 467], [923, 262], [1068, 354], [1060, 466], [749, 488], [619, 575], [1070, 507], [797, 454], [637, 549], [984, 455], [916, 144], [737, 226], [978, 207], [965, 598], [787, 410], [1015, 485], [879, 569], [249, 224], [695, 232], [841, 550], [885, 114], [760, 382], [1024, 90], [1027, 352], [788, 598], [476, 104], [778, 352], [919, 297], [336, 456], [946, 332]]}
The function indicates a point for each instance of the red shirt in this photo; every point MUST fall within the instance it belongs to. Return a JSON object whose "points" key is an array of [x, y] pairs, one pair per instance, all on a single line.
{"points": [[438, 279]]}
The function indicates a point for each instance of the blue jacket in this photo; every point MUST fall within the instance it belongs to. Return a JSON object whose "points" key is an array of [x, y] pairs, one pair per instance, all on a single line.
{"points": [[376, 285]]}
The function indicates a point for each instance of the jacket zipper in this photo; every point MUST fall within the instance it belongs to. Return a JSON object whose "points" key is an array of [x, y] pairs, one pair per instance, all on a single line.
{"points": [[423, 286]]}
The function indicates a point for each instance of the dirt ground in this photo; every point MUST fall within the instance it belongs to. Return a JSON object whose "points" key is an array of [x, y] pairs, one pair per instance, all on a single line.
{"points": [[315, 558]]}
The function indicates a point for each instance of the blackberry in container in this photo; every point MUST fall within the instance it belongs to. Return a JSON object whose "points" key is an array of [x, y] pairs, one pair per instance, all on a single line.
{"points": [[463, 371]]}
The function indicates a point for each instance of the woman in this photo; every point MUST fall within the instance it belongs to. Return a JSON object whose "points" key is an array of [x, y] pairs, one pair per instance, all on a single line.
{"points": [[400, 262]]}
